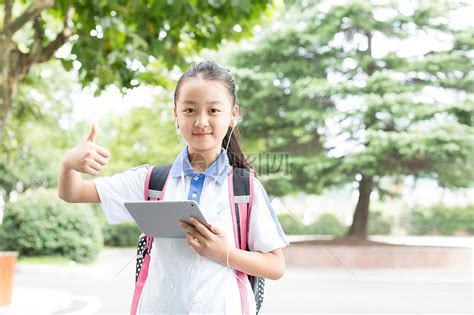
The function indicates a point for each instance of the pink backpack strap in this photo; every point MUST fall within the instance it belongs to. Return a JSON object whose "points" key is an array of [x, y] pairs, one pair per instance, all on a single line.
{"points": [[140, 283], [241, 209]]}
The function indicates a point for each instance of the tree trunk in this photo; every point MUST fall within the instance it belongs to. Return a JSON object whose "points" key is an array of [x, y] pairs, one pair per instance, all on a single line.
{"points": [[361, 214], [13, 63], [7, 82]]}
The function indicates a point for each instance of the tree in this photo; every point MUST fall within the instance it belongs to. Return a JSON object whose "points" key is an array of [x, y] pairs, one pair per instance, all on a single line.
{"points": [[114, 42], [319, 84], [36, 141]]}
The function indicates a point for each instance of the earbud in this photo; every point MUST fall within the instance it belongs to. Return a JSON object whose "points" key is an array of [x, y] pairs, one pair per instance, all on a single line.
{"points": [[233, 122], [176, 123]]}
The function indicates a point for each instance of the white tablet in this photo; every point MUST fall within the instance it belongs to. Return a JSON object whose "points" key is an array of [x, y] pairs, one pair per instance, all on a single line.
{"points": [[161, 218]]}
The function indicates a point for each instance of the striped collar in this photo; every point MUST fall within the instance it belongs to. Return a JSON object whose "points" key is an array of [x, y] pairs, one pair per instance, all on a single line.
{"points": [[218, 170]]}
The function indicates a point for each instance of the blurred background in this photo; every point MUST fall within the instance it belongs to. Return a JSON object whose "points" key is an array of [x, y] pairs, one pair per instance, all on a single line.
{"points": [[357, 115]]}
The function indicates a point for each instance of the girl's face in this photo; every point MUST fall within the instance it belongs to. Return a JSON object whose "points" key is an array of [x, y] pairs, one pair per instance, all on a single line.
{"points": [[204, 111]]}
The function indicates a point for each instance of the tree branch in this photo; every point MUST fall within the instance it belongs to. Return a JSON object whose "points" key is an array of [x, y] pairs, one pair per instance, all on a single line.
{"points": [[30, 13], [38, 54], [60, 39], [8, 12], [38, 38]]}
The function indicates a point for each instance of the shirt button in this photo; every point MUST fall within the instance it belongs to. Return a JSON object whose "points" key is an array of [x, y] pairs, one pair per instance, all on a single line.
{"points": [[194, 195], [196, 177]]}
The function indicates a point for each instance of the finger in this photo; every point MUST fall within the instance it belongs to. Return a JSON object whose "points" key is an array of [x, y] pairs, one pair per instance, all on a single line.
{"points": [[94, 165], [93, 133], [102, 151], [189, 228], [89, 170], [216, 230], [100, 159], [193, 241], [204, 231]]}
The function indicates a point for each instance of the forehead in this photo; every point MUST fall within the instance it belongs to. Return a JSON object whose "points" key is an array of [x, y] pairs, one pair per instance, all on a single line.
{"points": [[204, 91]]}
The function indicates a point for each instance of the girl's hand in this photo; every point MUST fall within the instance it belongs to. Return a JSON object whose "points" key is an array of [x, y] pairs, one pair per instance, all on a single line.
{"points": [[87, 157], [207, 242]]}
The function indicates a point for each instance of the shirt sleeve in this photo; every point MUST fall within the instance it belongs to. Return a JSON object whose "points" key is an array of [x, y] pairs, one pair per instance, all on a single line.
{"points": [[265, 232], [119, 188]]}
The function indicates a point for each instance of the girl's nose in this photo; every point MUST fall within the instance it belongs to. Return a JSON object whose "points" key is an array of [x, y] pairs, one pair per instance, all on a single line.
{"points": [[202, 121]]}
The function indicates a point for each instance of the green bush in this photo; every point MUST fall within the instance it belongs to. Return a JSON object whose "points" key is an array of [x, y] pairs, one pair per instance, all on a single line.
{"points": [[327, 223], [121, 235], [117, 235], [291, 225], [40, 224], [378, 224], [439, 219]]}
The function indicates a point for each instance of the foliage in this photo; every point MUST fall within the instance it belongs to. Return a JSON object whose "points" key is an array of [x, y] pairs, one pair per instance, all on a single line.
{"points": [[40, 224], [327, 223], [325, 91], [129, 42], [121, 235], [439, 219], [379, 224], [36, 141], [291, 225], [327, 84]]}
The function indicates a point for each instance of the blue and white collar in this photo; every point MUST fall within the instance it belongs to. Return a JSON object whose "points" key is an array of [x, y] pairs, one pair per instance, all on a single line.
{"points": [[218, 170]]}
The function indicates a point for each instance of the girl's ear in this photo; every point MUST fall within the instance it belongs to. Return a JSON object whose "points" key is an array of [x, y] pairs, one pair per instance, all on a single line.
{"points": [[235, 116], [175, 116]]}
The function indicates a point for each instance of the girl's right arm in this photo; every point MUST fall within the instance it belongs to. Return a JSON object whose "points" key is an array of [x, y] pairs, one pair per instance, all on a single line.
{"points": [[87, 158]]}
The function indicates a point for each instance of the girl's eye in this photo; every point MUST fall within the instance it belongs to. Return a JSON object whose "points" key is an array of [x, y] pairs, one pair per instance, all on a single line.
{"points": [[189, 110], [215, 110]]}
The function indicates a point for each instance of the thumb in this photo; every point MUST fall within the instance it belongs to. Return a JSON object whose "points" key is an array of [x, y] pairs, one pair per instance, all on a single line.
{"points": [[93, 133], [216, 230]]}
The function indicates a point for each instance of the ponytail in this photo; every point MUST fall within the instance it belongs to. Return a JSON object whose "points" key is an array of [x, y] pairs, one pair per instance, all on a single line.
{"points": [[234, 152]]}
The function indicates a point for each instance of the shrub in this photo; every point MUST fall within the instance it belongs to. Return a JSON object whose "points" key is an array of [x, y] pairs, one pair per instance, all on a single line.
{"points": [[41, 224], [439, 219], [291, 225], [327, 223], [121, 235], [378, 224]]}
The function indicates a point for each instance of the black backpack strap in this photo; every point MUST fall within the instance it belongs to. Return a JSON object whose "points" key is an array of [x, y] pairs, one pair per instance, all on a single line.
{"points": [[157, 181]]}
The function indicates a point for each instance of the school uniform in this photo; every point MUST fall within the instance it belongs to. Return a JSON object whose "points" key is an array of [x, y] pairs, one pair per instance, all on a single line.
{"points": [[179, 280]]}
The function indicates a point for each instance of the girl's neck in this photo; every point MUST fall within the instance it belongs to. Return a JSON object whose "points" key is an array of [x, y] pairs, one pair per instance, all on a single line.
{"points": [[201, 160]]}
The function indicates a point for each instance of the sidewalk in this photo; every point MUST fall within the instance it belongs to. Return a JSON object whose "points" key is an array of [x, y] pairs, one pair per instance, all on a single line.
{"points": [[106, 286]]}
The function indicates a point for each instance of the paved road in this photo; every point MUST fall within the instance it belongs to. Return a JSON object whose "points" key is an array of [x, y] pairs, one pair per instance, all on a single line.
{"points": [[96, 289]]}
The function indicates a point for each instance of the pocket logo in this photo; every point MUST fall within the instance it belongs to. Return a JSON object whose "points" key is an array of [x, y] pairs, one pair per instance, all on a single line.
{"points": [[221, 208]]}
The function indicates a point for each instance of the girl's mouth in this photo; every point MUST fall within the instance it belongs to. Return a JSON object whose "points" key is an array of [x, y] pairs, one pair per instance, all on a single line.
{"points": [[201, 135]]}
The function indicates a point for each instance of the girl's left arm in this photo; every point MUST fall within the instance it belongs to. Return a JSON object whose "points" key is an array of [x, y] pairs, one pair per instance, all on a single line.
{"points": [[269, 265]]}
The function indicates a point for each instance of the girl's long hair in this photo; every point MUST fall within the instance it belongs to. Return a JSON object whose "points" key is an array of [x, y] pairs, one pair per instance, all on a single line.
{"points": [[209, 70]]}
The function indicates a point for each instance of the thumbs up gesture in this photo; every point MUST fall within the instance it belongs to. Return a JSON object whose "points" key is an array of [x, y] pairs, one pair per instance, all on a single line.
{"points": [[87, 157]]}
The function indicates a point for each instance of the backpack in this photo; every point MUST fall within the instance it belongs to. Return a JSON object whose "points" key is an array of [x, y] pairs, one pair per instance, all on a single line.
{"points": [[240, 196]]}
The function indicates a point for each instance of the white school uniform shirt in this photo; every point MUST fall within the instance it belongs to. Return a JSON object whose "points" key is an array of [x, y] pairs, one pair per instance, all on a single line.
{"points": [[179, 280]]}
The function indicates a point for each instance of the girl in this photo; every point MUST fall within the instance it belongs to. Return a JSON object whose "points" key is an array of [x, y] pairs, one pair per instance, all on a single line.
{"points": [[196, 274]]}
